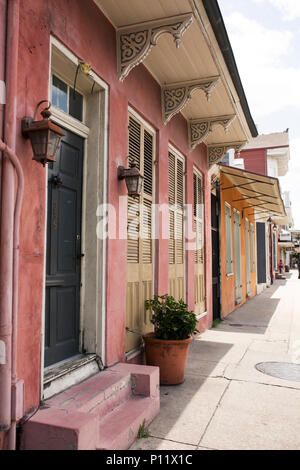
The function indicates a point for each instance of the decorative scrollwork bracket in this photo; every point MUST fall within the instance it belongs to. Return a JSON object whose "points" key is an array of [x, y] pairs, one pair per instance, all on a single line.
{"points": [[199, 129], [135, 42], [176, 96], [216, 152]]}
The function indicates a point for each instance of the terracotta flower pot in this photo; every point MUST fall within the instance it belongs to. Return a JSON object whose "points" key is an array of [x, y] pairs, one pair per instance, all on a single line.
{"points": [[170, 356]]}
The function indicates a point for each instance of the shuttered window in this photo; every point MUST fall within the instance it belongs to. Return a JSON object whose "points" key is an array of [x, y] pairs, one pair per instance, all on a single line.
{"points": [[199, 276], [252, 247], [176, 209], [198, 219], [139, 241], [228, 227]]}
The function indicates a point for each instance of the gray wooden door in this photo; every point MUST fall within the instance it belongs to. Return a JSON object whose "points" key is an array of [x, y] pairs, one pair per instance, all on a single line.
{"points": [[64, 251], [237, 257], [261, 253]]}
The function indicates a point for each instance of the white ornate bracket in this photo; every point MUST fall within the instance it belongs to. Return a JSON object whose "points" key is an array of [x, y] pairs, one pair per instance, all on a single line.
{"points": [[135, 42], [216, 152], [199, 129], [175, 96]]}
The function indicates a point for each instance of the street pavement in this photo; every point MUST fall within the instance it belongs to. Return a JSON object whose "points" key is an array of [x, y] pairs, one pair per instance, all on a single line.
{"points": [[225, 403]]}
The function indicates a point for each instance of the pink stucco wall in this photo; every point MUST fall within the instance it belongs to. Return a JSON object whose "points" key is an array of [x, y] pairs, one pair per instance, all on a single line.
{"points": [[89, 35]]}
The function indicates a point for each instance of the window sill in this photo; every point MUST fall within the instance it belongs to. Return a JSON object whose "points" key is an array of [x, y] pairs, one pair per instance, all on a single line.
{"points": [[201, 315]]}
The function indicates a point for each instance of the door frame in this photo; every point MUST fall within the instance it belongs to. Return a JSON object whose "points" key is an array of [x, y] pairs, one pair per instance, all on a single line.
{"points": [[95, 152]]}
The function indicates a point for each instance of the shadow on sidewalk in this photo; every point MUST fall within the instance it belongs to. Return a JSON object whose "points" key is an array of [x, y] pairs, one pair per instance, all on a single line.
{"points": [[185, 408], [255, 315]]}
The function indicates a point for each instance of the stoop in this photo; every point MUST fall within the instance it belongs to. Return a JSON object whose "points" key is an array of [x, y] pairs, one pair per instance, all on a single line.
{"points": [[103, 412]]}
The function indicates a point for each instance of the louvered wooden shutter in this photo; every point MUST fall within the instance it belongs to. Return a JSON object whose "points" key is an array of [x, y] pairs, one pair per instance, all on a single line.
{"points": [[147, 198], [133, 227], [133, 222], [179, 213], [148, 163], [139, 208], [198, 219], [135, 138], [176, 212], [252, 247], [228, 228], [199, 244], [172, 188]]}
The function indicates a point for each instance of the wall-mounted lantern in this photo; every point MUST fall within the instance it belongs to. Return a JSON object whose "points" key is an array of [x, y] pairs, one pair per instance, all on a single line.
{"points": [[133, 178], [44, 135]]}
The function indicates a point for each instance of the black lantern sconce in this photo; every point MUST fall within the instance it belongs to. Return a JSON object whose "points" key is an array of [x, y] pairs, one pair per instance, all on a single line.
{"points": [[44, 135], [133, 178]]}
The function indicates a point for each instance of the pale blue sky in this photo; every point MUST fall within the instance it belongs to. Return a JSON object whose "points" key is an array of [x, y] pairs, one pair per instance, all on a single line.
{"points": [[265, 37]]}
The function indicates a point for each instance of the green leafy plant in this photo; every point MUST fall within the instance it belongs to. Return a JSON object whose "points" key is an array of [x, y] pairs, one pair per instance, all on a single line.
{"points": [[171, 319], [216, 323], [143, 432]]}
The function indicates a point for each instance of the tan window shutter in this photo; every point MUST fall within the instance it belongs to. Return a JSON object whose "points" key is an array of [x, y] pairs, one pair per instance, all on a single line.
{"points": [[198, 219], [176, 203], [228, 233], [176, 218], [140, 246], [147, 232], [135, 141], [148, 164], [133, 222], [140, 149], [199, 244], [172, 192]]}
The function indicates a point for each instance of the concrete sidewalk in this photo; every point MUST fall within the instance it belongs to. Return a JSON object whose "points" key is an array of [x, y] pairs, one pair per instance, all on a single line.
{"points": [[225, 402]]}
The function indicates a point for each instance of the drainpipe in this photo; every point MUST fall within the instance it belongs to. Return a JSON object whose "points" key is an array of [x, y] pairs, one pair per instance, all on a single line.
{"points": [[9, 243], [17, 386]]}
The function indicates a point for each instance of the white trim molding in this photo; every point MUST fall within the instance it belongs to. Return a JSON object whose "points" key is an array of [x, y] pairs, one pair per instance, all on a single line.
{"points": [[135, 42], [202, 315]]}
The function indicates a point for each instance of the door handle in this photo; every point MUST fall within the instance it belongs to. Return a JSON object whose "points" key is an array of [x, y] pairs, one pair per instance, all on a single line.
{"points": [[56, 181], [80, 256]]}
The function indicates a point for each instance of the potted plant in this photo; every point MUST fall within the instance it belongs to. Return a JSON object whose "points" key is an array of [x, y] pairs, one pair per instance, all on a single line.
{"points": [[168, 346]]}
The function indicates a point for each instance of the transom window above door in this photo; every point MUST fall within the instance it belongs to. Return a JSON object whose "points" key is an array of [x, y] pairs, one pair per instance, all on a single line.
{"points": [[66, 98]]}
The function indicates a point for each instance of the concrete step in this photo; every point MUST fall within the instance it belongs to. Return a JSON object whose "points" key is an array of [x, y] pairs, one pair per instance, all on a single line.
{"points": [[120, 428], [99, 394], [103, 412]]}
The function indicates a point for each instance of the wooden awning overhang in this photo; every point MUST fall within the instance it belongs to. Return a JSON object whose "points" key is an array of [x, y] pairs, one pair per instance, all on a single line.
{"points": [[177, 42], [260, 194]]}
